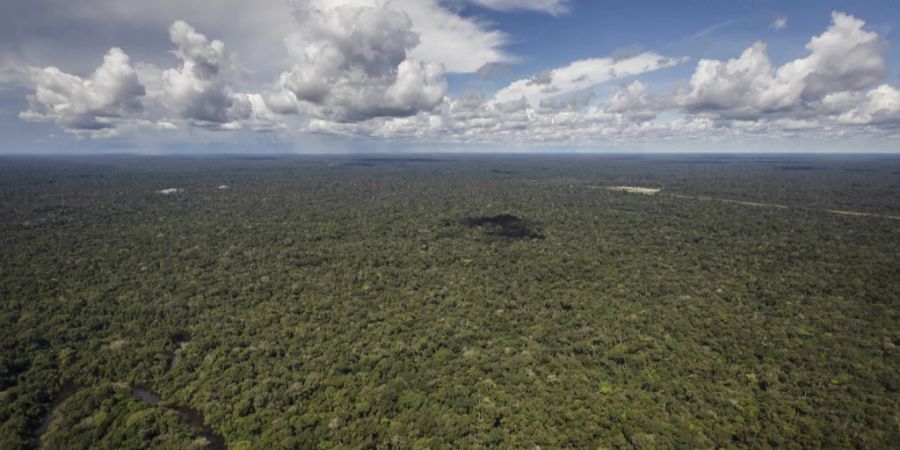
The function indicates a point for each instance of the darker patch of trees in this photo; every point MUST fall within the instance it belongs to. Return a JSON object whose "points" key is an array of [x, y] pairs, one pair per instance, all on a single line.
{"points": [[504, 225]]}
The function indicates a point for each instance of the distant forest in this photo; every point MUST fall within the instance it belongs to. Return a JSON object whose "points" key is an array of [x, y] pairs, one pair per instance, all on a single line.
{"points": [[450, 302]]}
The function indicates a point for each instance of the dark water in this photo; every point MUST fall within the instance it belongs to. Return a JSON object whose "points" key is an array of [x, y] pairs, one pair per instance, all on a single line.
{"points": [[189, 416], [175, 355], [146, 395], [182, 340]]}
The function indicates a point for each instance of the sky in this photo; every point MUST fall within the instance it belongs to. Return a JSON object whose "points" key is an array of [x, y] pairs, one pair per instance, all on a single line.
{"points": [[335, 76]]}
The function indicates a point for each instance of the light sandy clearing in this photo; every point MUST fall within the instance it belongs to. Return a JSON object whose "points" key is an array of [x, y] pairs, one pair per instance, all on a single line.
{"points": [[634, 189]]}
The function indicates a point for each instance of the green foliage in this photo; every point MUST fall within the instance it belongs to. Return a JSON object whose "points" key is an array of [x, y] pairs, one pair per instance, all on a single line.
{"points": [[109, 417], [463, 303]]}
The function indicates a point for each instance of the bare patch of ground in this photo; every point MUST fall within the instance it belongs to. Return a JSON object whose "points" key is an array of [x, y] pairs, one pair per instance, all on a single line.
{"points": [[634, 189]]}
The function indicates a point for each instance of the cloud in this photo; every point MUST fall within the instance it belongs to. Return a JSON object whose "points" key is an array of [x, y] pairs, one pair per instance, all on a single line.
{"points": [[630, 98], [880, 106], [554, 7], [635, 102], [198, 91], [845, 58], [461, 44], [779, 23], [583, 74], [12, 73], [737, 87], [575, 101], [94, 105], [352, 64], [483, 121], [119, 98], [823, 97], [251, 111], [377, 69], [493, 70]]}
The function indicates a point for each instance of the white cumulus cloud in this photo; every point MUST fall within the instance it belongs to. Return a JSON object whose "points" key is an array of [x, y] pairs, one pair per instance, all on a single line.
{"points": [[827, 96], [843, 58], [461, 44], [636, 103], [94, 105], [353, 63], [881, 105], [583, 74], [198, 91]]}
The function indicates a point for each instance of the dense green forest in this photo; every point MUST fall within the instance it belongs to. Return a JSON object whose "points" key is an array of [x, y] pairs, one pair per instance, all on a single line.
{"points": [[449, 302]]}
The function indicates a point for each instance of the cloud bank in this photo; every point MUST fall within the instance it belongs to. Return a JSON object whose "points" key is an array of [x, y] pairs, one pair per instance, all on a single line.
{"points": [[583, 74], [379, 70]]}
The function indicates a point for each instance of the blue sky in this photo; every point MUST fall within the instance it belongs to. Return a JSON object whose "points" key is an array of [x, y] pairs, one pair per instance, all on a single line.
{"points": [[700, 29], [448, 75]]}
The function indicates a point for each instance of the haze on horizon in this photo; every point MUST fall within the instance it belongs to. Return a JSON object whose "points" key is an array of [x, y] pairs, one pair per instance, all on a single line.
{"points": [[317, 76]]}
